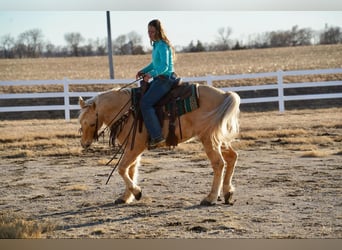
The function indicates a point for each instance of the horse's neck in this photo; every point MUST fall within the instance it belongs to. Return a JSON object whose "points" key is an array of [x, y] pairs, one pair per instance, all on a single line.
{"points": [[111, 103]]}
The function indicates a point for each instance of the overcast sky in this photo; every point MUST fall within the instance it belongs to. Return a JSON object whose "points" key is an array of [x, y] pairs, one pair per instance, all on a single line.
{"points": [[182, 27], [184, 20]]}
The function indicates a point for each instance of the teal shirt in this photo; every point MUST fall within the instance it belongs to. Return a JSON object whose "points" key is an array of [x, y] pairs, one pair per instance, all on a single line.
{"points": [[162, 60]]}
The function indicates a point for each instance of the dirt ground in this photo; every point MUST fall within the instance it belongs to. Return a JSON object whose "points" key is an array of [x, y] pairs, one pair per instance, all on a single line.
{"points": [[284, 188]]}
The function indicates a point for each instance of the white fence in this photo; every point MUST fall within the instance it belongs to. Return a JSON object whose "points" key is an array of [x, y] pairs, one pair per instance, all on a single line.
{"points": [[209, 79]]}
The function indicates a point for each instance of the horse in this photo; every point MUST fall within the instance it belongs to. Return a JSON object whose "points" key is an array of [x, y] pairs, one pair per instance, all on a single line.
{"points": [[215, 124]]}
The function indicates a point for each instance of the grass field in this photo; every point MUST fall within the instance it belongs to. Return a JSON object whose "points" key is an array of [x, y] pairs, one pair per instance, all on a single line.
{"points": [[186, 65]]}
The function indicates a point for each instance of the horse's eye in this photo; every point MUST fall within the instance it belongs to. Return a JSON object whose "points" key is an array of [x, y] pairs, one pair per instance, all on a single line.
{"points": [[92, 125]]}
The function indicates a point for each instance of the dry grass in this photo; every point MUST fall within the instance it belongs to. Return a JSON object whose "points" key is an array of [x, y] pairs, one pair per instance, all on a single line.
{"points": [[187, 65], [76, 187], [13, 226], [301, 131], [315, 153], [33, 138]]}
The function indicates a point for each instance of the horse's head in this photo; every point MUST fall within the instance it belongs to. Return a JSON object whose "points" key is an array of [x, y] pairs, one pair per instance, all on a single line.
{"points": [[89, 121]]}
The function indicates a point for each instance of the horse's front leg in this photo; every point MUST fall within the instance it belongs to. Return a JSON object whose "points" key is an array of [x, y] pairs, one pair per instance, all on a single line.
{"points": [[127, 196], [128, 170]]}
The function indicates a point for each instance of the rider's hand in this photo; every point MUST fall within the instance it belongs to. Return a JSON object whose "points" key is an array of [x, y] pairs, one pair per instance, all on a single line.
{"points": [[147, 77], [139, 75]]}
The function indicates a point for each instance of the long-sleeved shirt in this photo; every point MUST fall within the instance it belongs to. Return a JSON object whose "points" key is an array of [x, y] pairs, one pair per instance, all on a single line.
{"points": [[162, 60]]}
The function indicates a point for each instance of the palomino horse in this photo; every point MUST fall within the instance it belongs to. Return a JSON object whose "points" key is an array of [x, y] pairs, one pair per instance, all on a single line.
{"points": [[214, 123]]}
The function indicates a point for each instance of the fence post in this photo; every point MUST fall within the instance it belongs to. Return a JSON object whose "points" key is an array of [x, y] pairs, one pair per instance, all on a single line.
{"points": [[280, 91], [66, 99], [209, 80]]}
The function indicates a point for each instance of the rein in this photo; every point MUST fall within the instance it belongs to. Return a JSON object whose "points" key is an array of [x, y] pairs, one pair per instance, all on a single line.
{"points": [[110, 123], [102, 132], [96, 135], [125, 142], [108, 127], [122, 147]]}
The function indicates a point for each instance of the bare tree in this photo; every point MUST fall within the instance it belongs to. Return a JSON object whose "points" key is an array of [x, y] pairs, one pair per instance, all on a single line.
{"points": [[30, 43], [280, 38], [128, 44], [50, 50], [331, 35], [223, 38], [74, 39], [7, 44], [100, 46], [135, 41], [302, 36], [134, 37], [119, 43], [259, 40]]}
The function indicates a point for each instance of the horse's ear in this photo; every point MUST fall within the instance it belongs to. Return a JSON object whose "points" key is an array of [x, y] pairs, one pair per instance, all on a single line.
{"points": [[81, 102]]}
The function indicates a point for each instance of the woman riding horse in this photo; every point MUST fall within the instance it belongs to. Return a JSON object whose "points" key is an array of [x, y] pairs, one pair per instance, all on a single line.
{"points": [[161, 69]]}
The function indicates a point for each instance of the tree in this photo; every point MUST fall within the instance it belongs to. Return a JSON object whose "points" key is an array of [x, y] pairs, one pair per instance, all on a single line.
{"points": [[223, 38], [259, 40], [118, 44], [237, 46], [134, 37], [50, 50], [301, 36], [7, 43], [135, 41], [194, 48], [199, 46], [331, 35], [30, 43], [100, 46], [280, 38], [74, 39], [88, 48], [129, 44]]}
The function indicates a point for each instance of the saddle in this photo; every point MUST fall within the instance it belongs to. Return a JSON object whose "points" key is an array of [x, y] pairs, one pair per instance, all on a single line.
{"points": [[181, 99]]}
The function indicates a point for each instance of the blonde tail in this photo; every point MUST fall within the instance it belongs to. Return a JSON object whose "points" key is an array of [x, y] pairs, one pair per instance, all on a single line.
{"points": [[223, 122]]}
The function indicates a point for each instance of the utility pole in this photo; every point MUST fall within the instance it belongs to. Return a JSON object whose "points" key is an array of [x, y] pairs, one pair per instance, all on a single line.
{"points": [[110, 52]]}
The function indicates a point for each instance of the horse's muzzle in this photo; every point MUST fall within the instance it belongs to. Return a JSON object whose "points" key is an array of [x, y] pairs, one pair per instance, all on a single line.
{"points": [[86, 144]]}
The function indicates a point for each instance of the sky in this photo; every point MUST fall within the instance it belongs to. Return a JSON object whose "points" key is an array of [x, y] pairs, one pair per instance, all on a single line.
{"points": [[182, 27]]}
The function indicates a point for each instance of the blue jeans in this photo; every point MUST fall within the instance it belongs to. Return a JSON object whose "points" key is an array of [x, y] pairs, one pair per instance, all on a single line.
{"points": [[158, 88]]}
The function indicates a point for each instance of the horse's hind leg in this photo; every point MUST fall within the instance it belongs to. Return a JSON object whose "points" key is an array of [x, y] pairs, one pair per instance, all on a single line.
{"points": [[217, 164], [230, 156]]}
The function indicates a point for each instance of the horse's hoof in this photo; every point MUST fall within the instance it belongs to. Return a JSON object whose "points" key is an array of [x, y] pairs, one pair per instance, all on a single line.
{"points": [[138, 195], [119, 201], [207, 203], [228, 199]]}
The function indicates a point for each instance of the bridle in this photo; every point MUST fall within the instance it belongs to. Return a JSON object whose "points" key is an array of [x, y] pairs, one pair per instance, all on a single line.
{"points": [[97, 135]]}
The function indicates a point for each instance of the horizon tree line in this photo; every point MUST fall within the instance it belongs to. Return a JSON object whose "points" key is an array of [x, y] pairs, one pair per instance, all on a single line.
{"points": [[31, 44]]}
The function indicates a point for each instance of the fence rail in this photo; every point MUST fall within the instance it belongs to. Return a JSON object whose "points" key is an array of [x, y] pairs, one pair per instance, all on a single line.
{"points": [[209, 79]]}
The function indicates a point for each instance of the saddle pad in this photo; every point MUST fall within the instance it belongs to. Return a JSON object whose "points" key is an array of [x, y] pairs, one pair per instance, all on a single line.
{"points": [[186, 105], [183, 104]]}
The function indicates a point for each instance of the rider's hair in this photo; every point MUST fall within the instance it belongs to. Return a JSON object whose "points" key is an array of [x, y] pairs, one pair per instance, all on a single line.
{"points": [[160, 34]]}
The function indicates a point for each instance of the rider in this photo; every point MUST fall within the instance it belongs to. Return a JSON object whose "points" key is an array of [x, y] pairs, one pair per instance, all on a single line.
{"points": [[161, 69]]}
